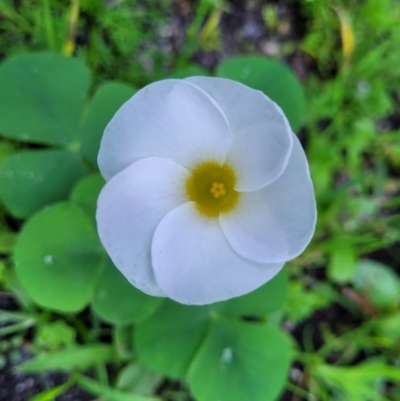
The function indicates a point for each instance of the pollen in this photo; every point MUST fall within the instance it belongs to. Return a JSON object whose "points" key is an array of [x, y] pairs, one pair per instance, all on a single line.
{"points": [[218, 189], [211, 187]]}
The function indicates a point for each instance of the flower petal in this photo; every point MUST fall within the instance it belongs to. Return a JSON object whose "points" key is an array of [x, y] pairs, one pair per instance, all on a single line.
{"points": [[129, 209], [169, 118], [194, 264], [261, 134], [276, 223]]}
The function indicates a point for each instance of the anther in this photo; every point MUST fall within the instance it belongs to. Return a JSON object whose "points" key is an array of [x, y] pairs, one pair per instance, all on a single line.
{"points": [[217, 189]]}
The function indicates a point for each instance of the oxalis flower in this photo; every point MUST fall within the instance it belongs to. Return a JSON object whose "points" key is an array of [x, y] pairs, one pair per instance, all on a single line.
{"points": [[208, 191]]}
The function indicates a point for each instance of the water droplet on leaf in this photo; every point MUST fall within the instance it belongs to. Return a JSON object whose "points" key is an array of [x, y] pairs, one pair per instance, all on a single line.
{"points": [[227, 355], [48, 259]]}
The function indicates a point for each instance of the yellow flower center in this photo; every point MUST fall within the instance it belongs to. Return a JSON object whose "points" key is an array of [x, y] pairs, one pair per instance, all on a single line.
{"points": [[218, 189], [210, 186]]}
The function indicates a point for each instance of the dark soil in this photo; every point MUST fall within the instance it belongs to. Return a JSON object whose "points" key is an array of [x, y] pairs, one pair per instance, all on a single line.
{"points": [[16, 386]]}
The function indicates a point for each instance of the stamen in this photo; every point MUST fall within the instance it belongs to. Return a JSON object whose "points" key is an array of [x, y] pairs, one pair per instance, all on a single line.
{"points": [[211, 187], [217, 189]]}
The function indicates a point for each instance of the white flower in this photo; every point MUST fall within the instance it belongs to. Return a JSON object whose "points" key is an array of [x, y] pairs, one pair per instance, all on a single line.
{"points": [[208, 190]]}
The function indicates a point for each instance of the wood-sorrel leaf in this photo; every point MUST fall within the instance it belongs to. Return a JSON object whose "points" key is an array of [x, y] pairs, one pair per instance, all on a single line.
{"points": [[57, 258]]}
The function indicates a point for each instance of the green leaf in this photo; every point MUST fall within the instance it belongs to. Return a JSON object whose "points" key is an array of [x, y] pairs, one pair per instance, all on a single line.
{"points": [[342, 263], [240, 361], [50, 395], [17, 327], [6, 150], [107, 100], [266, 299], [168, 340], [41, 97], [388, 328], [86, 192], [30, 180], [57, 258], [357, 382], [110, 394], [7, 241], [193, 70], [273, 78], [10, 317], [52, 335], [117, 301], [71, 358], [374, 368], [138, 379], [122, 340], [303, 300], [379, 283]]}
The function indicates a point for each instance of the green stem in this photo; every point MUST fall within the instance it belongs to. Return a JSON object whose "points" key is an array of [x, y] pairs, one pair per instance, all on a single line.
{"points": [[192, 32], [14, 328], [297, 390], [48, 21]]}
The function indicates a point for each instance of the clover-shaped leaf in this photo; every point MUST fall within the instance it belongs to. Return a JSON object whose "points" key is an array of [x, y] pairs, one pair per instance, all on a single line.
{"points": [[30, 180], [261, 302], [86, 192], [58, 257], [168, 341], [116, 301], [240, 361], [62, 265], [106, 101], [43, 100]]}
